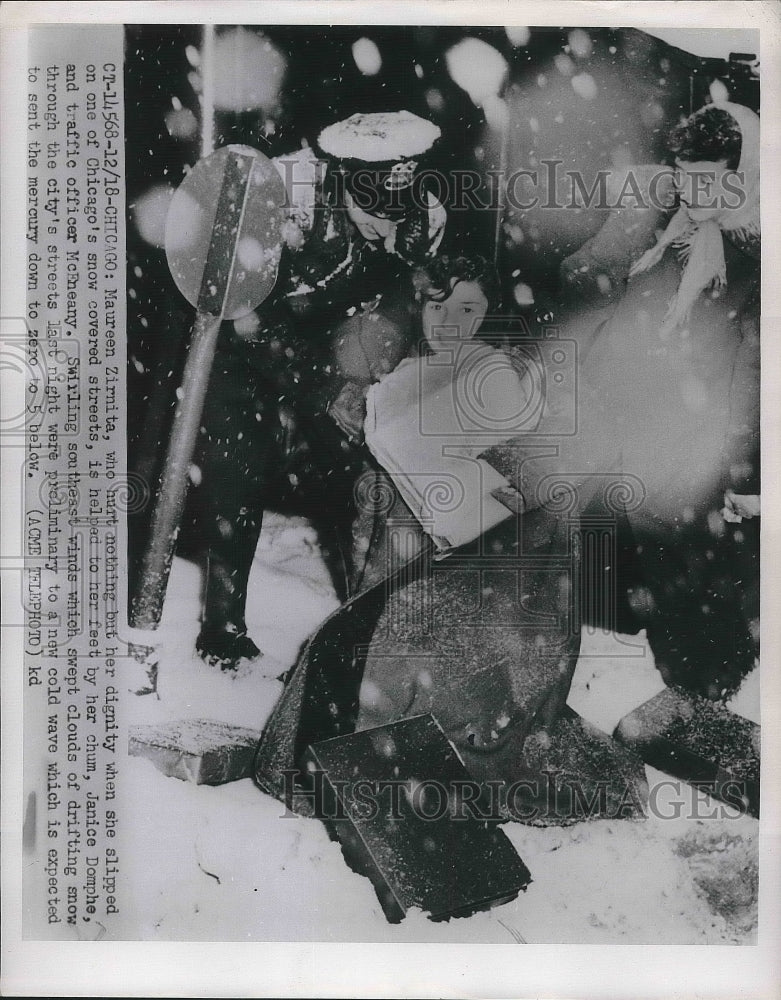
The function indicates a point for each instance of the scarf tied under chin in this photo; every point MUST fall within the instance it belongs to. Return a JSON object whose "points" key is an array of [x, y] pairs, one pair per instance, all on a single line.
{"points": [[700, 245]]}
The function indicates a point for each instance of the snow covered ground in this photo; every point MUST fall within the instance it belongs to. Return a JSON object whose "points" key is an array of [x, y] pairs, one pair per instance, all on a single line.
{"points": [[225, 864]]}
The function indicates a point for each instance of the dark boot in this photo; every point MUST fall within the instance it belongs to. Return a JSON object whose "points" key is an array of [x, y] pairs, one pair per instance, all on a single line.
{"points": [[223, 640]]}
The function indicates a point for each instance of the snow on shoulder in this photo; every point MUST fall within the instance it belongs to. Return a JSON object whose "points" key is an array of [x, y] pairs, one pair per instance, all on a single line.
{"points": [[378, 137]]}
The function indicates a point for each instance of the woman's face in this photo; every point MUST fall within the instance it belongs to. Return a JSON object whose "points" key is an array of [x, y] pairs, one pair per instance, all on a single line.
{"points": [[708, 189], [458, 317]]}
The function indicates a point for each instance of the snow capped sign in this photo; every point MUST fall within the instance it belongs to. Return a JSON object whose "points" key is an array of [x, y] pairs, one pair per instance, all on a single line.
{"points": [[379, 137], [234, 227]]}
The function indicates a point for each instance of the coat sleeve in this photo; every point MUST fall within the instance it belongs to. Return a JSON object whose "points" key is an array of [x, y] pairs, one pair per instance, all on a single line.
{"points": [[420, 233], [560, 465]]}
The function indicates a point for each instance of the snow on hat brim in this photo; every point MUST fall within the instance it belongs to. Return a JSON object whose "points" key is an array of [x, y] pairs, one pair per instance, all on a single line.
{"points": [[380, 137]]}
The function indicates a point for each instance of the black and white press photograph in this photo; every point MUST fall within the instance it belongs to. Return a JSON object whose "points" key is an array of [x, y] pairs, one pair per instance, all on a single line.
{"points": [[443, 388], [383, 452]]}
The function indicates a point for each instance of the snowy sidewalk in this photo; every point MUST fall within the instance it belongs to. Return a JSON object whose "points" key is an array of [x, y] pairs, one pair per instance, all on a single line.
{"points": [[225, 863]]}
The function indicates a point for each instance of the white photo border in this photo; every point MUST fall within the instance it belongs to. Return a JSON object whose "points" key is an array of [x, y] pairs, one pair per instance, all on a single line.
{"points": [[335, 970]]}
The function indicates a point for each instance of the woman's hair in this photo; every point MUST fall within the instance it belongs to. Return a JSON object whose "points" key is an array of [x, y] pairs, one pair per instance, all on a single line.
{"points": [[437, 278], [710, 134]]}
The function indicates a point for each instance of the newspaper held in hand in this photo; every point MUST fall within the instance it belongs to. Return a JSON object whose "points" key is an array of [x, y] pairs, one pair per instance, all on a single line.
{"points": [[428, 421]]}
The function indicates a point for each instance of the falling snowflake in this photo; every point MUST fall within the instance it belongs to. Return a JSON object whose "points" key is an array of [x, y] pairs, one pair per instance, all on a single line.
{"points": [[434, 99], [367, 56], [250, 253], [585, 86], [579, 43], [518, 36], [247, 326], [497, 114], [181, 123], [151, 210], [249, 71], [477, 67], [718, 92]]}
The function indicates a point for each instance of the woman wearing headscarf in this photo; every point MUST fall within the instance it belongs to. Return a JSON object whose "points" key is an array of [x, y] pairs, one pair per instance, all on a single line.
{"points": [[669, 396], [693, 417]]}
